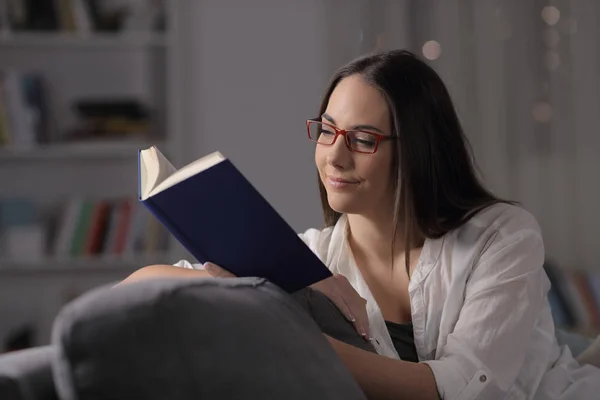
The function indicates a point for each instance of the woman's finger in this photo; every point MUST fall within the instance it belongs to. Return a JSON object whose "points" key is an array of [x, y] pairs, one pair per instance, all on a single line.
{"points": [[217, 272], [329, 288], [356, 305], [338, 299], [356, 321]]}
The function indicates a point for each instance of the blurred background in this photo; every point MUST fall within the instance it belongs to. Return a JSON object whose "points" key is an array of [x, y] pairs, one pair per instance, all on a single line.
{"points": [[84, 84]]}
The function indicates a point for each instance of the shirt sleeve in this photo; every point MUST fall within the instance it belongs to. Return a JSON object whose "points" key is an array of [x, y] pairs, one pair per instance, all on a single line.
{"points": [[318, 241], [188, 265], [503, 297]]}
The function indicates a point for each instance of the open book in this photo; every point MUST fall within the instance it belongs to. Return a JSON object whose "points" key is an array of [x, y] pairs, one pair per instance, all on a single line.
{"points": [[218, 216]]}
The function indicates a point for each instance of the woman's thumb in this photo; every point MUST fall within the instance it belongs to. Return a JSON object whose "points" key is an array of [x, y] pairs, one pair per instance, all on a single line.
{"points": [[217, 271]]}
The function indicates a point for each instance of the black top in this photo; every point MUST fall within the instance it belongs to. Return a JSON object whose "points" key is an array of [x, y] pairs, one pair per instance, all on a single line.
{"points": [[403, 340]]}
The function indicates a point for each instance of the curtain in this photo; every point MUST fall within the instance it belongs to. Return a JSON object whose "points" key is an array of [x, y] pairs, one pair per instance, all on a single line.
{"points": [[524, 78]]}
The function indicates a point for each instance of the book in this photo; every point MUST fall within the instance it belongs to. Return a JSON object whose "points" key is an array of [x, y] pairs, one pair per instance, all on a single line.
{"points": [[219, 216]]}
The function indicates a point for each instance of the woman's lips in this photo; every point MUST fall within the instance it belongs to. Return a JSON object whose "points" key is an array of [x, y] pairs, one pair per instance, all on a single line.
{"points": [[340, 183]]}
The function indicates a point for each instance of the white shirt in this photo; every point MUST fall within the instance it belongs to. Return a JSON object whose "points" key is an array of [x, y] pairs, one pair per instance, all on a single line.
{"points": [[480, 314]]}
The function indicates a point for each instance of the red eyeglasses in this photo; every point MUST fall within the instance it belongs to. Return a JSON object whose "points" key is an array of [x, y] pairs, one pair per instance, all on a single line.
{"points": [[356, 140]]}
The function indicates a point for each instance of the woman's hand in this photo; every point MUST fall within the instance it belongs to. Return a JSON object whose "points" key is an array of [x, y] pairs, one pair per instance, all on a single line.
{"points": [[336, 288], [217, 272], [348, 301]]}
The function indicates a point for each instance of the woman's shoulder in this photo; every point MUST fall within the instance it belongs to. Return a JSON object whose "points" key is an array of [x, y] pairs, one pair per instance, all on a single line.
{"points": [[504, 219], [500, 229], [494, 228]]}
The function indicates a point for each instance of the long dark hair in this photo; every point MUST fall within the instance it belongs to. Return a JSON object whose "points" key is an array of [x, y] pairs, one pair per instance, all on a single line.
{"points": [[436, 188]]}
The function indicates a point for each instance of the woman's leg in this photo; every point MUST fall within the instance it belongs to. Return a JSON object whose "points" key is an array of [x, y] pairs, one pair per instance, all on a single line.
{"points": [[329, 318]]}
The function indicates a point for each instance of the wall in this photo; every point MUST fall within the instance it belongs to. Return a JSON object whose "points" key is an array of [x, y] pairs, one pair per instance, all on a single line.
{"points": [[256, 72]]}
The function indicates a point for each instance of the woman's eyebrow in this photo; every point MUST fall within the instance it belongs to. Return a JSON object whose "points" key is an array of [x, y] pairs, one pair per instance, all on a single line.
{"points": [[367, 127], [355, 127], [328, 118]]}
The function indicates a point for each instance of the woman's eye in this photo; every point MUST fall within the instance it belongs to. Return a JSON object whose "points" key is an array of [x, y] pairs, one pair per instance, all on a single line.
{"points": [[365, 143], [365, 139], [326, 132]]}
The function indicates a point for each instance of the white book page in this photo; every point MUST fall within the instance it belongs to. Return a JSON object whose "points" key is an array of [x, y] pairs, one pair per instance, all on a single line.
{"points": [[154, 169], [176, 176]]}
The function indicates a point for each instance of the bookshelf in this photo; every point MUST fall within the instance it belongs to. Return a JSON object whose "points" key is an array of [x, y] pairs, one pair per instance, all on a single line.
{"points": [[68, 162], [70, 40], [79, 150]]}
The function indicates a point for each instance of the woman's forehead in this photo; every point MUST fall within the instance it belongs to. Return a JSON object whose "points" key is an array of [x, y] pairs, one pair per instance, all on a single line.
{"points": [[355, 102]]}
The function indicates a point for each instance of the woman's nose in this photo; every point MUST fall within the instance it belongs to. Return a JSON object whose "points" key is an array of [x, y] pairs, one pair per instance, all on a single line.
{"points": [[339, 155]]}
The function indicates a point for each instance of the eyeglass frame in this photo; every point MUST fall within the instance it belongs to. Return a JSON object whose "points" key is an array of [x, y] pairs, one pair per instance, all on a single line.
{"points": [[339, 131]]}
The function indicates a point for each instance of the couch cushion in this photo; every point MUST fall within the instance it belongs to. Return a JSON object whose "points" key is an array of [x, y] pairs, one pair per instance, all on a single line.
{"points": [[27, 375], [195, 339]]}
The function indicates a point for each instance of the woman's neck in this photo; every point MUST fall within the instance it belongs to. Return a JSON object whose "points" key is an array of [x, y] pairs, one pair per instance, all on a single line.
{"points": [[371, 237]]}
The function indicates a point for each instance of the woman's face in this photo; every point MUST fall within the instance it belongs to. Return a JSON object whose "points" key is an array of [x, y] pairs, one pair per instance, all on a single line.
{"points": [[357, 183]]}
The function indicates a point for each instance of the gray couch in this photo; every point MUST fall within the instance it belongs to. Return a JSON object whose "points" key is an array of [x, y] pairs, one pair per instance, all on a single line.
{"points": [[181, 339], [196, 339]]}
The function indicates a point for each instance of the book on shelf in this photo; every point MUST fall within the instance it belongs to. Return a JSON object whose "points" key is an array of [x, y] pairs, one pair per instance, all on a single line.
{"points": [[24, 119], [117, 228], [22, 235], [26, 123], [82, 16], [115, 117], [574, 297], [218, 216], [83, 229]]}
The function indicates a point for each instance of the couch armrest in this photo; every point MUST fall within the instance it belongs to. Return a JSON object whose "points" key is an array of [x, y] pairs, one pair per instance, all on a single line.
{"points": [[27, 374], [195, 338]]}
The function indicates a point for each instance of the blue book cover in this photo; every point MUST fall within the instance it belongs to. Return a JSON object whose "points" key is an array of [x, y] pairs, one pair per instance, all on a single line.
{"points": [[218, 216]]}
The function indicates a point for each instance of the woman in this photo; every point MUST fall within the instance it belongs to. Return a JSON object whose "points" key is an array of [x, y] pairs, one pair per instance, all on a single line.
{"points": [[436, 256]]}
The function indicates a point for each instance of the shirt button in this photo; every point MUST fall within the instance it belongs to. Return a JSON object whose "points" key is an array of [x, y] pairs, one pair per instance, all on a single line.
{"points": [[482, 378]]}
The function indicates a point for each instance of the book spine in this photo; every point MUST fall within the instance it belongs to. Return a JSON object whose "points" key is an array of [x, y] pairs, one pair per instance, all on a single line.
{"points": [[180, 236], [139, 184]]}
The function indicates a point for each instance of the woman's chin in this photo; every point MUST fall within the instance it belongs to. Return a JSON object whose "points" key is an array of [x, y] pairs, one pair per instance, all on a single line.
{"points": [[344, 207]]}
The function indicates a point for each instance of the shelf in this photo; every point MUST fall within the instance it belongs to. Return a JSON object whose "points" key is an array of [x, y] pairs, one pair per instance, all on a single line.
{"points": [[83, 265], [52, 39], [77, 150]]}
